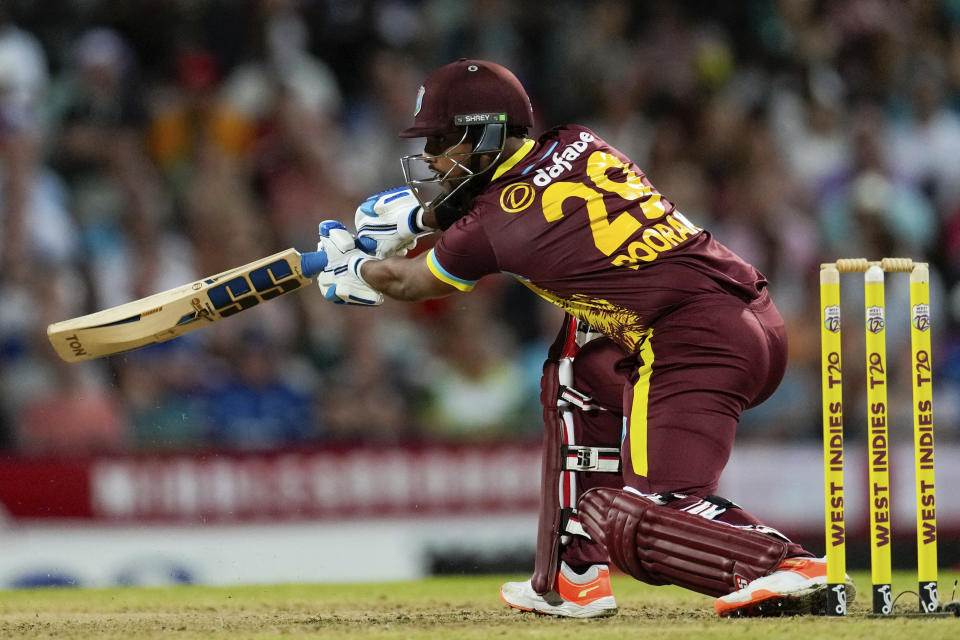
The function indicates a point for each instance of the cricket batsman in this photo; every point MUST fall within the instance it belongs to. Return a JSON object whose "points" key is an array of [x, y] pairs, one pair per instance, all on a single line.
{"points": [[669, 337]]}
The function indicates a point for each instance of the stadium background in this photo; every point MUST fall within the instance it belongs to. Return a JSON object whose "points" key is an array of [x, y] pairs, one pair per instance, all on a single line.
{"points": [[146, 144]]}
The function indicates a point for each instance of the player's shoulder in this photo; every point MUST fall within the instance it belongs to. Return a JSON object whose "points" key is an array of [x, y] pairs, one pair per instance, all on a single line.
{"points": [[567, 132]]}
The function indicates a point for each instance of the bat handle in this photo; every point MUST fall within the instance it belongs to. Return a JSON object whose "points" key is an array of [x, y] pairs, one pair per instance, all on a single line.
{"points": [[312, 263]]}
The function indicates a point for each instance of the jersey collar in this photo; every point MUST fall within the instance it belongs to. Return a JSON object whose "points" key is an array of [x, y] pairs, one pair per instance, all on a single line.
{"points": [[512, 161]]}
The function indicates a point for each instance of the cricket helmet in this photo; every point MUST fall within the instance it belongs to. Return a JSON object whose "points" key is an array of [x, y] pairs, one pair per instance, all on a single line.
{"points": [[478, 100], [457, 94]]}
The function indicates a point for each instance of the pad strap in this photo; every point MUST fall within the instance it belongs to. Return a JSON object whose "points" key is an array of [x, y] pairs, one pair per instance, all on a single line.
{"points": [[570, 523], [569, 395], [596, 459], [662, 545]]}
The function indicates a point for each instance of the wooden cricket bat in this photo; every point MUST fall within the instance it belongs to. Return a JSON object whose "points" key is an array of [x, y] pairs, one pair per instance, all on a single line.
{"points": [[172, 313]]}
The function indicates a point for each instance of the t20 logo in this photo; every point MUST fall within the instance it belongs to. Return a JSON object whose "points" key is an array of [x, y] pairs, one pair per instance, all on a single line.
{"points": [[875, 319], [921, 317], [245, 291]]}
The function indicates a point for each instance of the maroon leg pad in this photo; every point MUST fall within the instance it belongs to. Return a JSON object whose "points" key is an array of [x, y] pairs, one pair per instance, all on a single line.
{"points": [[546, 560], [659, 545]]}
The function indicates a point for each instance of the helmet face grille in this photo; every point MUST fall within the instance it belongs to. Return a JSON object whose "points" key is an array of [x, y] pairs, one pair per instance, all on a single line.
{"points": [[431, 188]]}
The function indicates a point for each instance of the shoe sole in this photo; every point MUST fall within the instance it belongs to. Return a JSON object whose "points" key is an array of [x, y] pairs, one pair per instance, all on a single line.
{"points": [[810, 602], [599, 608]]}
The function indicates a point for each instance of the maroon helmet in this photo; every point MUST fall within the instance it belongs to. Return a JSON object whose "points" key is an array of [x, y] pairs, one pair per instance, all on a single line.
{"points": [[478, 100], [465, 88]]}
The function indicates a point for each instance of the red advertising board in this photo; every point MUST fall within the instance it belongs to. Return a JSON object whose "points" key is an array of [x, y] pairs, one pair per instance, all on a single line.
{"points": [[284, 485]]}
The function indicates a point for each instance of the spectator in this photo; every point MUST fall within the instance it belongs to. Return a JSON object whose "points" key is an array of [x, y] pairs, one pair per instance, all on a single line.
{"points": [[924, 141], [191, 119], [253, 406], [177, 144], [35, 229], [162, 389], [116, 196], [475, 391], [891, 216], [76, 416]]}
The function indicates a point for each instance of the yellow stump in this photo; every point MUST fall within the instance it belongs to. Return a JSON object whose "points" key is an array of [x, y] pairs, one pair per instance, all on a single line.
{"points": [[923, 438], [832, 380], [878, 462]]}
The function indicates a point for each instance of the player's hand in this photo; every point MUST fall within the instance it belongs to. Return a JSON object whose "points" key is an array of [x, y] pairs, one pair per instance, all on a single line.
{"points": [[340, 280], [391, 219]]}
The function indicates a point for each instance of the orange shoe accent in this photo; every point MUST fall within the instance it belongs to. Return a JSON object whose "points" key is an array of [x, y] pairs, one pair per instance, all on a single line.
{"points": [[804, 566], [573, 595], [587, 592], [796, 586]]}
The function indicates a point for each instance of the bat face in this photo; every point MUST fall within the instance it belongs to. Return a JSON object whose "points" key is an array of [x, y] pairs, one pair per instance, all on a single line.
{"points": [[166, 315]]}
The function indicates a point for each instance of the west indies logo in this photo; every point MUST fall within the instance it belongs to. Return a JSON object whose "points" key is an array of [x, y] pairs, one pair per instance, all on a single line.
{"points": [[921, 317], [875, 320], [831, 318], [420, 93]]}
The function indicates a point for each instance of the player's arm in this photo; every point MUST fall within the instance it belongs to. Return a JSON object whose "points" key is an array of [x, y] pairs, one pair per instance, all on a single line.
{"points": [[404, 279]]}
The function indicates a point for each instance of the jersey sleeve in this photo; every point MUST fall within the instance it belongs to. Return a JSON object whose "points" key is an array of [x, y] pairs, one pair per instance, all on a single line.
{"points": [[462, 255]]}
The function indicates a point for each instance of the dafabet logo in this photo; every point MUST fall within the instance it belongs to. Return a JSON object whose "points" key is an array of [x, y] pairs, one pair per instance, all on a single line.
{"points": [[517, 197]]}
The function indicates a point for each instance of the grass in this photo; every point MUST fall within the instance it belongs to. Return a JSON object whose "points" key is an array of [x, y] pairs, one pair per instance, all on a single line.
{"points": [[463, 608]]}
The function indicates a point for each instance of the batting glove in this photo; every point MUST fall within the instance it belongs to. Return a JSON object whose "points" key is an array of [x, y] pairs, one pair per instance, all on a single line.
{"points": [[340, 280], [392, 219]]}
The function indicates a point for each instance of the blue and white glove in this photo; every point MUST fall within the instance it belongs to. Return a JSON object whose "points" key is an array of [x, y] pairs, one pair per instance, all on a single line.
{"points": [[393, 219], [340, 280]]}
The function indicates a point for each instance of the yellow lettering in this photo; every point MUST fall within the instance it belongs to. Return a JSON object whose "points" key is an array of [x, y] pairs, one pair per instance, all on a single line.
{"points": [[667, 234], [607, 235], [653, 238], [649, 254], [555, 195], [682, 230], [612, 230], [631, 188], [652, 207]]}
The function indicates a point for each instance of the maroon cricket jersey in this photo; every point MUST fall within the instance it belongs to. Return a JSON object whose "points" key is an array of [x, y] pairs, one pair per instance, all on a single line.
{"points": [[576, 221]]}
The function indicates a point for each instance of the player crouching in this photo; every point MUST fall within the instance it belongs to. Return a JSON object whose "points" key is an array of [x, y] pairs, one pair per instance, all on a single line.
{"points": [[669, 336]]}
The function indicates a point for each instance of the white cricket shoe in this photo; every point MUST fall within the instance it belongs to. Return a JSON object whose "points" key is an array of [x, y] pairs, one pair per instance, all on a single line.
{"points": [[798, 586], [575, 595]]}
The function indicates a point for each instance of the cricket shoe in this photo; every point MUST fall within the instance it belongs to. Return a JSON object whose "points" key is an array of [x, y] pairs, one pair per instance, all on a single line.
{"points": [[797, 586], [574, 596]]}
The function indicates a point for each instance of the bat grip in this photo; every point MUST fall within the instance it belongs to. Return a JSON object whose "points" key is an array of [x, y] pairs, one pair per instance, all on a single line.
{"points": [[312, 263], [367, 245]]}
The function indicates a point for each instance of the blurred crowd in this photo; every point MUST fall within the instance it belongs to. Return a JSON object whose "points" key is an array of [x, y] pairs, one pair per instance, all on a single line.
{"points": [[146, 144]]}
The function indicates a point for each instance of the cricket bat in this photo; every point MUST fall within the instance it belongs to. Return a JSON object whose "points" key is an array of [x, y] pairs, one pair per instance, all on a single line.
{"points": [[172, 313]]}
